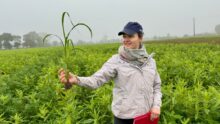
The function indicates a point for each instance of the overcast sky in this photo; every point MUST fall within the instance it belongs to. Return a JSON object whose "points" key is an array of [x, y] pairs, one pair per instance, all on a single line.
{"points": [[107, 17]]}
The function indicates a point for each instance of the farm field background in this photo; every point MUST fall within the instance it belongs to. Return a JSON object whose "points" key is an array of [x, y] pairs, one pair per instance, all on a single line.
{"points": [[30, 91]]}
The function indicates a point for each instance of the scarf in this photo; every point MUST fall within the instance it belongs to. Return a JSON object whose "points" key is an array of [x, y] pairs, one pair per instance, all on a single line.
{"points": [[134, 56]]}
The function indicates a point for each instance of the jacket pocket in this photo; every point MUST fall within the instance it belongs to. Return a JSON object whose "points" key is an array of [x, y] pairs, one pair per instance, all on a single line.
{"points": [[141, 103], [128, 108], [116, 104]]}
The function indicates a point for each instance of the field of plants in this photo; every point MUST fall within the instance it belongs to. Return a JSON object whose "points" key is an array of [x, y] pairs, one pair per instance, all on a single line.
{"points": [[30, 91]]}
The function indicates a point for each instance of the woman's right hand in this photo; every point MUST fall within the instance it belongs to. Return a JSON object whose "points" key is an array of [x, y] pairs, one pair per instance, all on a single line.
{"points": [[62, 77]]}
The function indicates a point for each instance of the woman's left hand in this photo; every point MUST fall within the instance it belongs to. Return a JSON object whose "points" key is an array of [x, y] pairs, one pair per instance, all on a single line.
{"points": [[155, 112]]}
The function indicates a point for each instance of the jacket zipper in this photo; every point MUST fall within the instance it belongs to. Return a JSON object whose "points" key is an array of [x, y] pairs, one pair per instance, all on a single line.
{"points": [[148, 95]]}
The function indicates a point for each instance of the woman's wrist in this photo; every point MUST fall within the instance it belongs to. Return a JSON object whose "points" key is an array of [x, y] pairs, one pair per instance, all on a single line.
{"points": [[77, 79]]}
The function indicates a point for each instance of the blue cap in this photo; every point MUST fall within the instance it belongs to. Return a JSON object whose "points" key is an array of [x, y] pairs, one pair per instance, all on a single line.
{"points": [[131, 28]]}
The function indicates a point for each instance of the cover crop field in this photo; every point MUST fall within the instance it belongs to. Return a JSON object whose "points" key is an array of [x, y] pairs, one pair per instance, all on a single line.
{"points": [[30, 91]]}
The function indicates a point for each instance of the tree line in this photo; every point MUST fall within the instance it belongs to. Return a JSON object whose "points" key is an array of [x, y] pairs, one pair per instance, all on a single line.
{"points": [[29, 40]]}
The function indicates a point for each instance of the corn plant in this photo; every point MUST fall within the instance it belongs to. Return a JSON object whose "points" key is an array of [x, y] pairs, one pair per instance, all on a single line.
{"points": [[67, 44]]}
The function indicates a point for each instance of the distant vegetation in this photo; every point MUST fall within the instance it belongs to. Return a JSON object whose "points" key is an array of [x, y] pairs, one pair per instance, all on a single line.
{"points": [[34, 39], [217, 29], [31, 39], [200, 39]]}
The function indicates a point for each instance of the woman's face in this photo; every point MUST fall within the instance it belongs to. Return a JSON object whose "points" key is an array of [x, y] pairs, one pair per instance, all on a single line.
{"points": [[131, 41]]}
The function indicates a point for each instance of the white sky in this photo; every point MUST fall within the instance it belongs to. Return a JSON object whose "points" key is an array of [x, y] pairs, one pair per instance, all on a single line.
{"points": [[108, 17]]}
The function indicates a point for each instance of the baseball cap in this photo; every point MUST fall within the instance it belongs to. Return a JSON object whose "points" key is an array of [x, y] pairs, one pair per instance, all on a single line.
{"points": [[131, 28]]}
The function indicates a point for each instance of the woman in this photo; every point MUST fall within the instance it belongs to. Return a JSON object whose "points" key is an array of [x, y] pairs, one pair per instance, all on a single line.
{"points": [[137, 84]]}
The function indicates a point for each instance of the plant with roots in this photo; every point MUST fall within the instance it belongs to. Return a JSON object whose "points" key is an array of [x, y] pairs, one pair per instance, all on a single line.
{"points": [[67, 44]]}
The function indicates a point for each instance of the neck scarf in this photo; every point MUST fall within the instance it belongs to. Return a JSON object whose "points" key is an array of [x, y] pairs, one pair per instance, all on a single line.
{"points": [[135, 56]]}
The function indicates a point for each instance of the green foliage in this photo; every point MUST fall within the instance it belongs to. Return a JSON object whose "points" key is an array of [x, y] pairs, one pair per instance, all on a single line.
{"points": [[30, 91]]}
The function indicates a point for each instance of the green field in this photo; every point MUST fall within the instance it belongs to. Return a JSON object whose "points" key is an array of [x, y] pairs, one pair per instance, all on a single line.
{"points": [[30, 91]]}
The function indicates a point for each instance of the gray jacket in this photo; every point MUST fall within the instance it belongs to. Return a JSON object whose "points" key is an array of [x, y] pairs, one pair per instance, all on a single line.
{"points": [[136, 89]]}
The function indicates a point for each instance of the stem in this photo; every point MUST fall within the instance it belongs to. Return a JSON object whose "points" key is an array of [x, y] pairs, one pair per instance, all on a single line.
{"points": [[68, 85]]}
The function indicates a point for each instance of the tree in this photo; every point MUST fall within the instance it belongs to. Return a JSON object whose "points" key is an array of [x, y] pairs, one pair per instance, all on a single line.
{"points": [[217, 29], [55, 43], [17, 41], [31, 39], [1, 41], [40, 42], [6, 38]]}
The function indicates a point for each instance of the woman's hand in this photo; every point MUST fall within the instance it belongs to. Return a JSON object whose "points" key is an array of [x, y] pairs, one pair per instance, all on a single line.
{"points": [[155, 112], [62, 77]]}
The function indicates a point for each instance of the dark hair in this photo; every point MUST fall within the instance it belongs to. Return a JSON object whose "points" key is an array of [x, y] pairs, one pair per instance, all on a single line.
{"points": [[140, 34]]}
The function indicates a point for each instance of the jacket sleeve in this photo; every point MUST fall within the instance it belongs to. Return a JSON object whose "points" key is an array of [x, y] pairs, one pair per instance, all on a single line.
{"points": [[103, 75], [157, 102]]}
